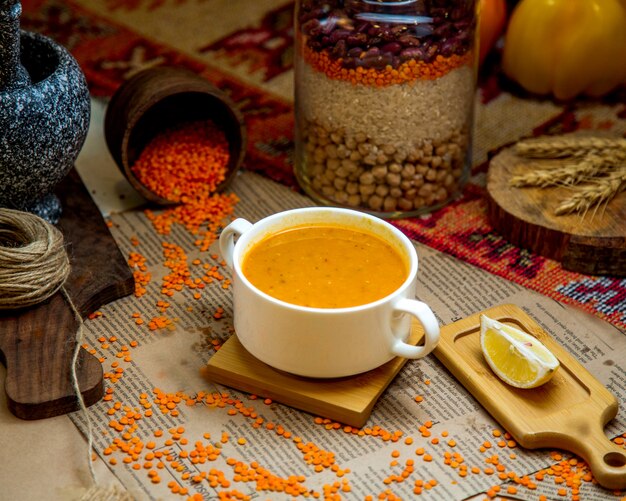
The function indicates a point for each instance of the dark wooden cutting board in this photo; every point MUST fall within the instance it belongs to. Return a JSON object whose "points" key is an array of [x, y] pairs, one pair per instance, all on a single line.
{"points": [[594, 244], [37, 344]]}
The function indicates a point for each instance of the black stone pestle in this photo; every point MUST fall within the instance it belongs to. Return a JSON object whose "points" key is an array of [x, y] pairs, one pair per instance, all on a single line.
{"points": [[44, 116], [12, 72]]}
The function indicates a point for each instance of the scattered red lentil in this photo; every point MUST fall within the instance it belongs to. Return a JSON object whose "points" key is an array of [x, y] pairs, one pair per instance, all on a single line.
{"points": [[159, 322], [212, 211], [184, 164], [568, 472], [137, 263]]}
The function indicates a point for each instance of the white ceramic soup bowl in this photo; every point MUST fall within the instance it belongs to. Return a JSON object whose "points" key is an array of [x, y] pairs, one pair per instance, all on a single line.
{"points": [[325, 342]]}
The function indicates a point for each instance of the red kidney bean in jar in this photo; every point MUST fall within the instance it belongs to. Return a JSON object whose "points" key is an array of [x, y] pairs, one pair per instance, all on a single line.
{"points": [[384, 102]]}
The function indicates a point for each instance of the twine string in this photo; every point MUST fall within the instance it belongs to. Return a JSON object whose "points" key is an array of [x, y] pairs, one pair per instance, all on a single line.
{"points": [[80, 336]]}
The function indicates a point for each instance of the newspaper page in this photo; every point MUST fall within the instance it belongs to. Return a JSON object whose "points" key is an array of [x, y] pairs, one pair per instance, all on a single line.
{"points": [[165, 430]]}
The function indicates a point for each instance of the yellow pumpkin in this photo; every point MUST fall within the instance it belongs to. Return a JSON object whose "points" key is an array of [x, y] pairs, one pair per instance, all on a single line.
{"points": [[567, 47]]}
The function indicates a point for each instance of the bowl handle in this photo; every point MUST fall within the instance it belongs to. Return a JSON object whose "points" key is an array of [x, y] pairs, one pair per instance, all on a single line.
{"points": [[424, 314], [227, 238]]}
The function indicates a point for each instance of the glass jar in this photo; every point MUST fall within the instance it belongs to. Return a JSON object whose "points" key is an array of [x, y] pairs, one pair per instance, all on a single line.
{"points": [[384, 101]]}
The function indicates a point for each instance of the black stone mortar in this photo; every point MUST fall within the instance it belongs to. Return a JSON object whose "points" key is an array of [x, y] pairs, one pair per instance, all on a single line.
{"points": [[44, 116]]}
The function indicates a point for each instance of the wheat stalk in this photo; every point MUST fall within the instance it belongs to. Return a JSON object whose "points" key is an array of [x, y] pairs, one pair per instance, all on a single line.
{"points": [[599, 162], [566, 146], [600, 191], [568, 174]]}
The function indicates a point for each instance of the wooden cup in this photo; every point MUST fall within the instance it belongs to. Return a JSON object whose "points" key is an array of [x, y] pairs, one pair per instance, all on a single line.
{"points": [[160, 98]]}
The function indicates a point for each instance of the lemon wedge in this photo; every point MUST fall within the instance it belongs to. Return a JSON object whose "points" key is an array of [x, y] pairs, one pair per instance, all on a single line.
{"points": [[518, 358]]}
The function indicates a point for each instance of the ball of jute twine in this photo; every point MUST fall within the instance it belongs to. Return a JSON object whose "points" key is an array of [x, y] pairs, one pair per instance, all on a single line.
{"points": [[33, 262], [34, 265]]}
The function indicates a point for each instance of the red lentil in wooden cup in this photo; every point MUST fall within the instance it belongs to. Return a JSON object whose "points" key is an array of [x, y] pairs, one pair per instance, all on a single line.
{"points": [[174, 135], [325, 292], [384, 102]]}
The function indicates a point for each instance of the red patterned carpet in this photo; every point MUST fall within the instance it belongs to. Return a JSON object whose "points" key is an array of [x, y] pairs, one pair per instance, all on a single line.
{"points": [[245, 48]]}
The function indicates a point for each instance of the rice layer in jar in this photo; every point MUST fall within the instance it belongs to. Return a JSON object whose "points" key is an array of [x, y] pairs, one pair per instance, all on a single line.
{"points": [[384, 100]]}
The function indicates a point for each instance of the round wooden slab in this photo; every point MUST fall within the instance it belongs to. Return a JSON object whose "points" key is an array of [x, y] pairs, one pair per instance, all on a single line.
{"points": [[594, 244]]}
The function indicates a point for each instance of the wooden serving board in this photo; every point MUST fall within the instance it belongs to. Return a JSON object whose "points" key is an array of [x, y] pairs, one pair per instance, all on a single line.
{"points": [[568, 412], [348, 400], [37, 344], [595, 244]]}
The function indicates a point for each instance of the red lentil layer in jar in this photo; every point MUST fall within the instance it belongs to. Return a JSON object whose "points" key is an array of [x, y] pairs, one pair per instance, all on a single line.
{"points": [[384, 100]]}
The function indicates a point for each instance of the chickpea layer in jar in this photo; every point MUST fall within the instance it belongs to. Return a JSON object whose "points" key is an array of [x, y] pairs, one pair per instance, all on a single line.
{"points": [[383, 109]]}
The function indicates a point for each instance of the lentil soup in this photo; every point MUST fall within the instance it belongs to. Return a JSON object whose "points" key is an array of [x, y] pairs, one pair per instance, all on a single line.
{"points": [[325, 266]]}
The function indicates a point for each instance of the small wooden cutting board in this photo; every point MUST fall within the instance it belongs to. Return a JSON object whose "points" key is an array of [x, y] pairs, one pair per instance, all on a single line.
{"points": [[594, 244], [568, 412]]}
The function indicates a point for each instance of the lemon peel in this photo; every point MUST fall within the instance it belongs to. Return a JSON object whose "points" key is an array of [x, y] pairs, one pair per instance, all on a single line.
{"points": [[516, 357]]}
